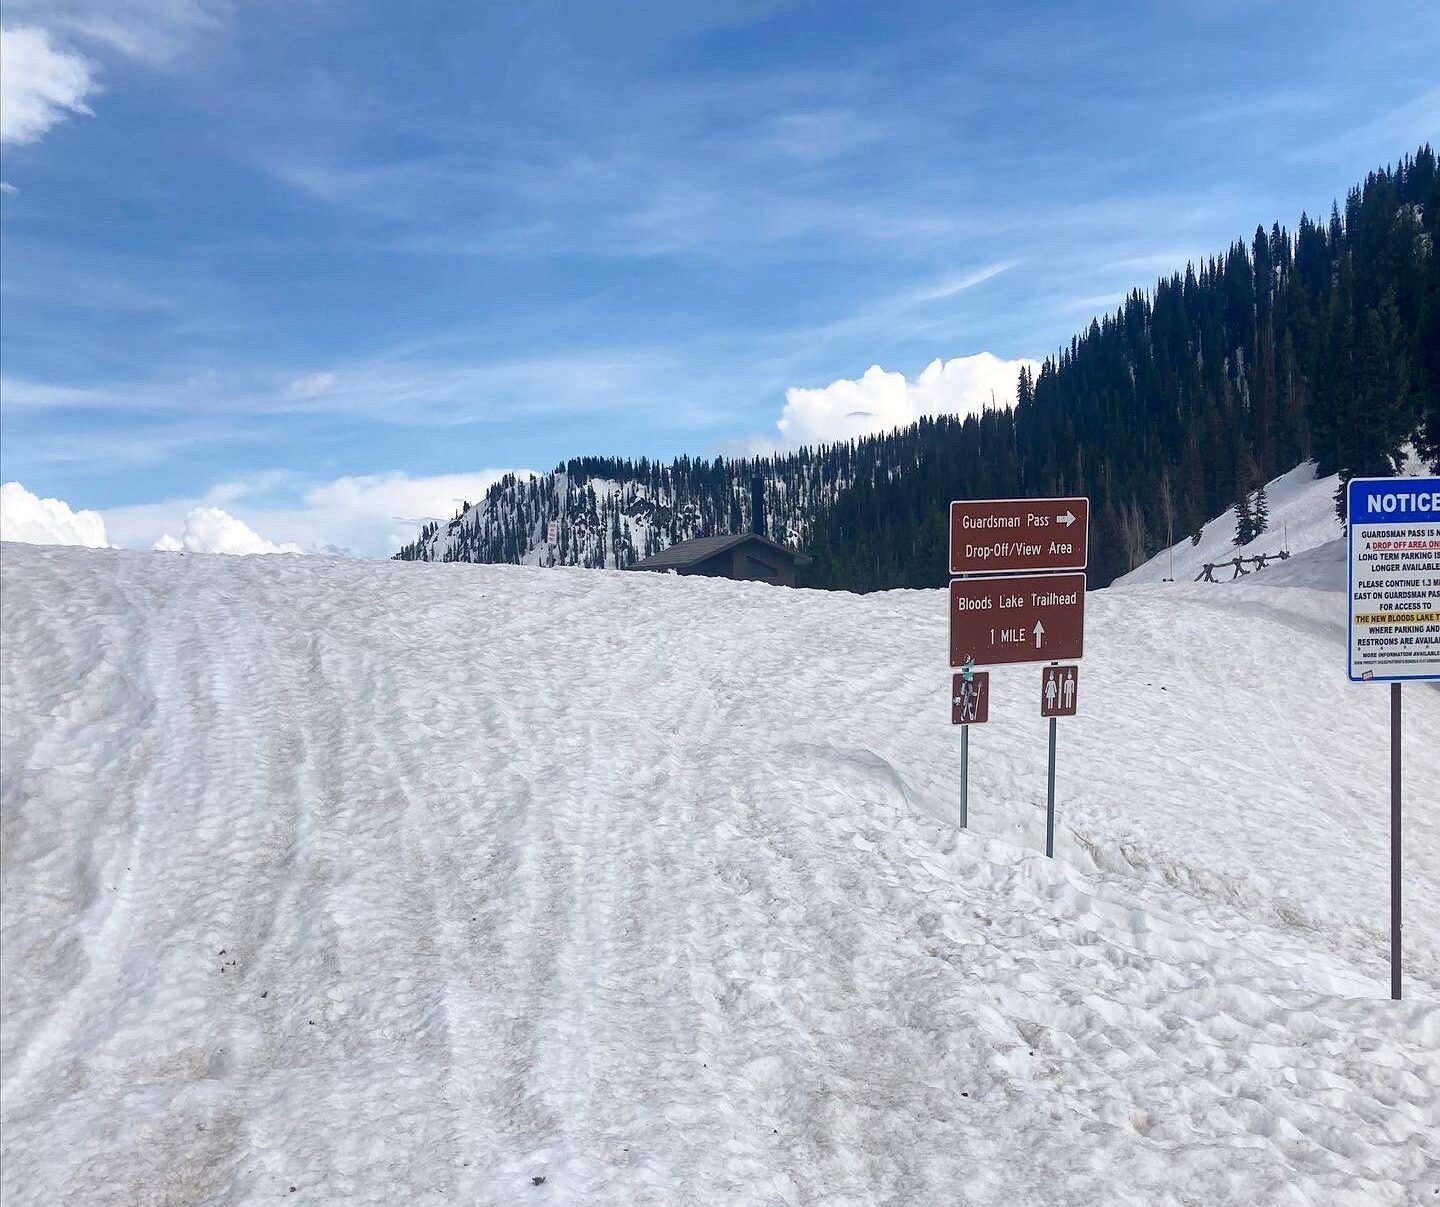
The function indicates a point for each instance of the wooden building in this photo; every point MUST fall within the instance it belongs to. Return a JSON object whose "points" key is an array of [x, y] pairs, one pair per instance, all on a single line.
{"points": [[749, 556], [746, 556]]}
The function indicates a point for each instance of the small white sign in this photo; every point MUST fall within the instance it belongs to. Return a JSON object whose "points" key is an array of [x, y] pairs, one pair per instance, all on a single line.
{"points": [[1394, 621]]}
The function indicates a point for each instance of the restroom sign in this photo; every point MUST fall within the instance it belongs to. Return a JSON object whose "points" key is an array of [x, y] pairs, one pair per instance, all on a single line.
{"points": [[1394, 541], [1059, 691]]}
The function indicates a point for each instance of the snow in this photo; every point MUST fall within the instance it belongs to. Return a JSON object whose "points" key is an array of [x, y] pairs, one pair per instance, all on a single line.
{"points": [[1302, 516], [1324, 568], [399, 882]]}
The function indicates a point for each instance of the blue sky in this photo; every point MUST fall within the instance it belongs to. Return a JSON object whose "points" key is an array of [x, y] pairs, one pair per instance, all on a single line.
{"points": [[320, 263]]}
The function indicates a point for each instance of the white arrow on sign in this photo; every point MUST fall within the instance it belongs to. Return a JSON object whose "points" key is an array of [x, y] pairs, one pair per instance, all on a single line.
{"points": [[1039, 634], [1067, 519]]}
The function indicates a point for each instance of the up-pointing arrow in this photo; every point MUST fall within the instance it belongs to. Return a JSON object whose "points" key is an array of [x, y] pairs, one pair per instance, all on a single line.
{"points": [[1067, 519], [1039, 634]]}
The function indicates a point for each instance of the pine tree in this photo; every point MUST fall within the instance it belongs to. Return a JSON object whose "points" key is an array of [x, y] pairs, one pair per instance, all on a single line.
{"points": [[1244, 520], [1260, 514]]}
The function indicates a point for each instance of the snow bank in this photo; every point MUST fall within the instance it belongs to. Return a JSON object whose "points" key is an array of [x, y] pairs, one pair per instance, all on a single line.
{"points": [[413, 883]]}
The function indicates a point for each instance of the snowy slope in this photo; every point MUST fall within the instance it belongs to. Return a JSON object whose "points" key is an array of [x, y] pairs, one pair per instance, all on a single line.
{"points": [[412, 883], [1302, 516]]}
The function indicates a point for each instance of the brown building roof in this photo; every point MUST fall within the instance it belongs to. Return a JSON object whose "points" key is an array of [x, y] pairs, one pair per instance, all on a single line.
{"points": [[702, 548]]}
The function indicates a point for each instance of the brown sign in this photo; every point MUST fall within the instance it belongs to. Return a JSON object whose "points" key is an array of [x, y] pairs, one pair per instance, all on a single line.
{"points": [[970, 699], [1029, 618], [993, 536], [1059, 691]]}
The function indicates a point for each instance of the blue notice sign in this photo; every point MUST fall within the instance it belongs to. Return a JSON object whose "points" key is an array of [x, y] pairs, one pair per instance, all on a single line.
{"points": [[1394, 621]]}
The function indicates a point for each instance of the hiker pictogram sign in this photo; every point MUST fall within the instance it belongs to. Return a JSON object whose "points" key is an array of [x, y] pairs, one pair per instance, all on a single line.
{"points": [[995, 536], [970, 699], [1059, 691]]}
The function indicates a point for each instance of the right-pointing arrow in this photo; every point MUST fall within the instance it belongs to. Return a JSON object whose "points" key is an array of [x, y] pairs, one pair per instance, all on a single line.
{"points": [[1039, 634], [1067, 519]]}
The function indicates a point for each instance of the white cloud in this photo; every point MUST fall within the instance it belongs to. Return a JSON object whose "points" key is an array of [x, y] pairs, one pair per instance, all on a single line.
{"points": [[312, 385], [880, 401], [43, 82], [7, 188], [23, 517], [211, 530], [40, 83], [368, 515]]}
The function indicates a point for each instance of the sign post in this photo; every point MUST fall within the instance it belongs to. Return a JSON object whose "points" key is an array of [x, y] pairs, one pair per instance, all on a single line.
{"points": [[1394, 621], [1017, 594], [1395, 841], [1050, 798], [1059, 697], [969, 705]]}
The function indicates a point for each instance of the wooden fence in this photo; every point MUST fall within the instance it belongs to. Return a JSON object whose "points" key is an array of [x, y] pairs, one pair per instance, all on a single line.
{"points": [[1237, 566]]}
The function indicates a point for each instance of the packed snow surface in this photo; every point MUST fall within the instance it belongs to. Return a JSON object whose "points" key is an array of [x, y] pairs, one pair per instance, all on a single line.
{"points": [[335, 882]]}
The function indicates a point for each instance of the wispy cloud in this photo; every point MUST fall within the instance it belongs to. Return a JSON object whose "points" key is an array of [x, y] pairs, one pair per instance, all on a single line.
{"points": [[41, 83], [1097, 303], [420, 385], [1399, 128], [949, 287], [819, 135], [148, 30]]}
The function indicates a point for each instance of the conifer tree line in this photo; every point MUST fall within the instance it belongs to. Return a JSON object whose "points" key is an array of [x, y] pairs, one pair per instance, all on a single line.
{"points": [[1322, 342]]}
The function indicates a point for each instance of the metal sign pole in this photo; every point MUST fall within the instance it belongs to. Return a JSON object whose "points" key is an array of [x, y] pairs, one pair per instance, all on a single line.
{"points": [[1395, 841], [964, 776], [1391, 535], [1050, 799]]}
